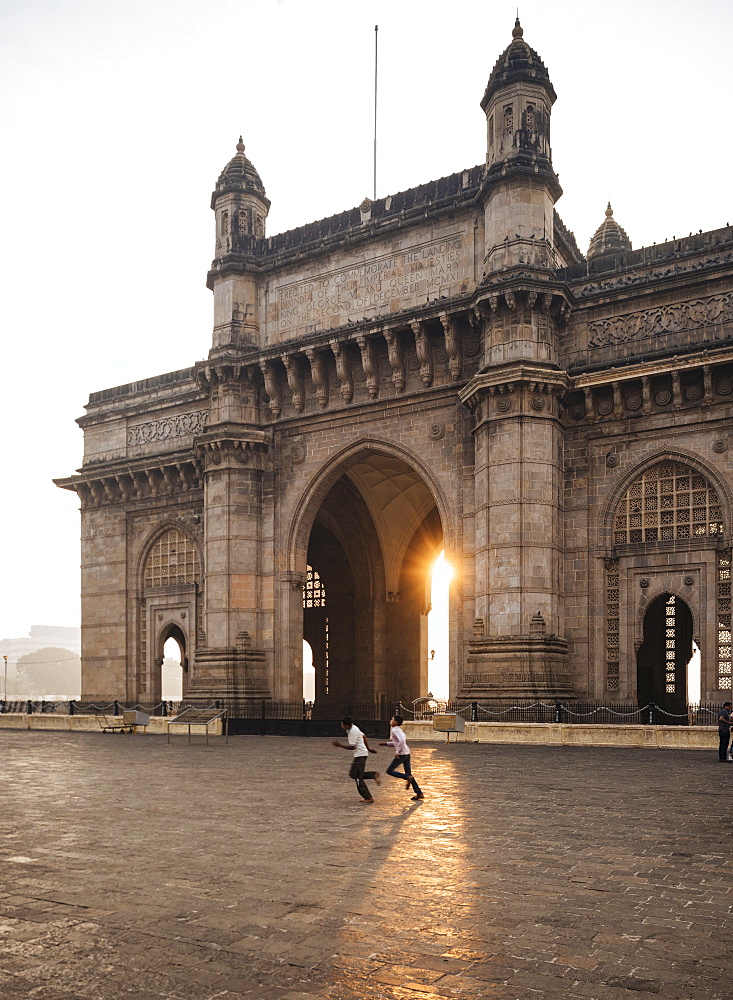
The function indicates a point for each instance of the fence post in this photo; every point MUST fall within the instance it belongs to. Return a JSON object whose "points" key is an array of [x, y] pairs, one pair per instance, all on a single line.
{"points": [[558, 711], [29, 707], [651, 708], [116, 707], [474, 711], [304, 726], [264, 718]]}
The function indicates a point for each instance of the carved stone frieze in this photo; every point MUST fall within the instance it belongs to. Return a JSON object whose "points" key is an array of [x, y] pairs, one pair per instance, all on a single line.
{"points": [[679, 317], [178, 425]]}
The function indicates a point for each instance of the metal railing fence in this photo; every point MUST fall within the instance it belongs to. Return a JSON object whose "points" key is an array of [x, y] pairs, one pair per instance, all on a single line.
{"points": [[261, 714], [586, 712]]}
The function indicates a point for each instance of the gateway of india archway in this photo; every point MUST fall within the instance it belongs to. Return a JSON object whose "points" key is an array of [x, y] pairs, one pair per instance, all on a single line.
{"points": [[438, 369]]}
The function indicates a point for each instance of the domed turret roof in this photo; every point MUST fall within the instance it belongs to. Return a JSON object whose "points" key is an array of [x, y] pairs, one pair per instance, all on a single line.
{"points": [[517, 62], [239, 175], [609, 237]]}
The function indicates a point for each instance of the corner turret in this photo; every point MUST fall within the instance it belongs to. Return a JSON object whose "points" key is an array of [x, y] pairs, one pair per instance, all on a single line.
{"points": [[521, 187], [241, 206]]}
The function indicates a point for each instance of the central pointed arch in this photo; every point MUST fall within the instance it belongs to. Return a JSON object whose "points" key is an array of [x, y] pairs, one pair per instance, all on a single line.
{"points": [[370, 524], [319, 487]]}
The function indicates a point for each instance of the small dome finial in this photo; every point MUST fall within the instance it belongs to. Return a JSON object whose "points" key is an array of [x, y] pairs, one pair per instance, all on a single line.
{"points": [[240, 145], [609, 211], [518, 31]]}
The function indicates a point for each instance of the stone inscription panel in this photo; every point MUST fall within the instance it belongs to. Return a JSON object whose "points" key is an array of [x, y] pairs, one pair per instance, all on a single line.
{"points": [[381, 285]]}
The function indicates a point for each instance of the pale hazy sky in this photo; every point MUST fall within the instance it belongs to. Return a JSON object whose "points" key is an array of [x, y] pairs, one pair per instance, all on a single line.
{"points": [[117, 117]]}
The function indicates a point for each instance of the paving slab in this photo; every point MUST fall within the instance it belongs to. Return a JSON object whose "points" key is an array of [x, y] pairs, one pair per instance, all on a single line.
{"points": [[130, 868]]}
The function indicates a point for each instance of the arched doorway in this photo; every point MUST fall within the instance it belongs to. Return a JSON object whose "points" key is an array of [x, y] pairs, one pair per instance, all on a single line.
{"points": [[663, 656], [370, 552], [174, 666], [168, 610]]}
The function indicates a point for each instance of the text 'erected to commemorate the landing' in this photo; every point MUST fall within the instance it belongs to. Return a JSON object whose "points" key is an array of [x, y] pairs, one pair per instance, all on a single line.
{"points": [[369, 287]]}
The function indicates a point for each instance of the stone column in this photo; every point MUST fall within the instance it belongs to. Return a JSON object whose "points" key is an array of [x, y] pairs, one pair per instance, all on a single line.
{"points": [[519, 545], [518, 503], [239, 597]]}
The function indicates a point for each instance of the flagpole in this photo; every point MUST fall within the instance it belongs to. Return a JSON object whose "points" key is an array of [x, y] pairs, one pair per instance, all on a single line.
{"points": [[376, 36]]}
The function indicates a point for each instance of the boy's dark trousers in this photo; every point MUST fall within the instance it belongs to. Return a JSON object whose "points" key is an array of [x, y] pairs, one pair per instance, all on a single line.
{"points": [[358, 773], [405, 773]]}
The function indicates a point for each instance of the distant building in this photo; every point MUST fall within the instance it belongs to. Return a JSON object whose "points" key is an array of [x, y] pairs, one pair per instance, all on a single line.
{"points": [[41, 637], [438, 368]]}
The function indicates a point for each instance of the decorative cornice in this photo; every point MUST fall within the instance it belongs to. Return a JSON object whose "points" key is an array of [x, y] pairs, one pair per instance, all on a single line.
{"points": [[134, 483]]}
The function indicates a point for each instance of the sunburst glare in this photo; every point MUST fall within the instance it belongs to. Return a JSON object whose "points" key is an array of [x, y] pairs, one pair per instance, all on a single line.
{"points": [[442, 574]]}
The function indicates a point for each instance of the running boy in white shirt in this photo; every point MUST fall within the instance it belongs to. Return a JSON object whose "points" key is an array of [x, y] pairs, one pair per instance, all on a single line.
{"points": [[358, 743], [402, 756]]}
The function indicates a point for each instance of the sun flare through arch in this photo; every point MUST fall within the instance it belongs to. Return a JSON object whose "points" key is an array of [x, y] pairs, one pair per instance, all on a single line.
{"points": [[441, 574]]}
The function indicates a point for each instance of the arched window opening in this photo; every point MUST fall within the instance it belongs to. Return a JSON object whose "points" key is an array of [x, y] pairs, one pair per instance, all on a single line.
{"points": [[309, 673], [172, 671], [314, 598], [694, 676], [225, 223], [530, 118], [668, 501], [508, 120], [314, 593], [441, 575], [172, 561], [243, 227]]}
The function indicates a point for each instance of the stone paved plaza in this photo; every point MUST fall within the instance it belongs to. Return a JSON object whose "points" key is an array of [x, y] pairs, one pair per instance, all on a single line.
{"points": [[131, 868]]}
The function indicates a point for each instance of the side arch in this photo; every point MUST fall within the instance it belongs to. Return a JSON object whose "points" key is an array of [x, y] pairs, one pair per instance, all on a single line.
{"points": [[166, 608]]}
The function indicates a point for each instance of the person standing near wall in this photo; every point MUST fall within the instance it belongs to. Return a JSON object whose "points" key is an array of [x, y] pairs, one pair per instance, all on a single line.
{"points": [[724, 724]]}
